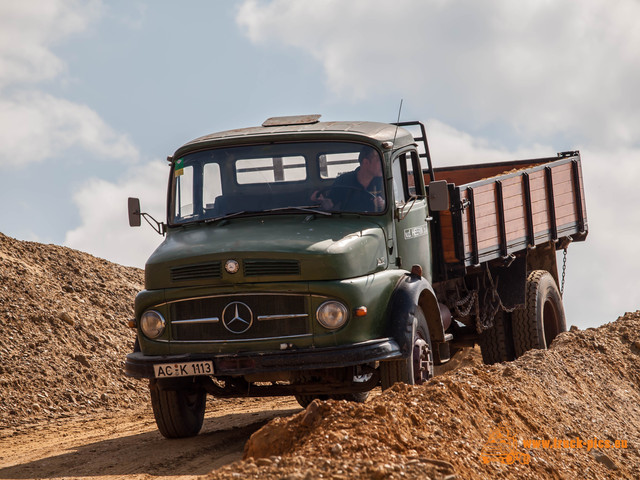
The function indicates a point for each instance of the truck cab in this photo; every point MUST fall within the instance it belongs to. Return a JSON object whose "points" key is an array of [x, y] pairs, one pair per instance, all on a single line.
{"points": [[281, 273]]}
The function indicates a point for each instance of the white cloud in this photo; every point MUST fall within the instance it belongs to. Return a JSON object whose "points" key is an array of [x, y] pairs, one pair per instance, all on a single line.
{"points": [[449, 146], [35, 126], [543, 68], [29, 28], [602, 273], [104, 229]]}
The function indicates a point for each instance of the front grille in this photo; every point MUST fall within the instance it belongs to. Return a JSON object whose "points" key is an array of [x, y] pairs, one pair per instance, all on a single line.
{"points": [[272, 315], [198, 271], [255, 268]]}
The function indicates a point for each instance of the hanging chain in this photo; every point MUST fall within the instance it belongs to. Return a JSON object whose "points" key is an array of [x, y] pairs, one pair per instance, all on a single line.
{"points": [[484, 309], [564, 271], [470, 300]]}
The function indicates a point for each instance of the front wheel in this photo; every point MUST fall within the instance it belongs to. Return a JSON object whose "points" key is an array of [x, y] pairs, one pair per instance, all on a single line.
{"points": [[542, 318], [417, 368], [179, 411]]}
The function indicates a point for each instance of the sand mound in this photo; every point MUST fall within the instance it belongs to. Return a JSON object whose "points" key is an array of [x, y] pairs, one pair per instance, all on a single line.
{"points": [[64, 337], [581, 396]]}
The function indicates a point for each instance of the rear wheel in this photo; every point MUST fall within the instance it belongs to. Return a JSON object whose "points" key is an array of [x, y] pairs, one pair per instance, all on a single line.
{"points": [[496, 343], [179, 411], [541, 320], [417, 368]]}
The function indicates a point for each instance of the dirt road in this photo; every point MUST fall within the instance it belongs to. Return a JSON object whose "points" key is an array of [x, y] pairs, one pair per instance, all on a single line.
{"points": [[128, 445]]}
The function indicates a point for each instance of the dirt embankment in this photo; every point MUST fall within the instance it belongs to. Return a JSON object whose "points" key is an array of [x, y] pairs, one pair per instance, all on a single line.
{"points": [[63, 341], [63, 334], [581, 397]]}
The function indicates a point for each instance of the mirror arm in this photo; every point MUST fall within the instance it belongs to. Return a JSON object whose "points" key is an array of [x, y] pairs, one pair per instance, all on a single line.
{"points": [[159, 227]]}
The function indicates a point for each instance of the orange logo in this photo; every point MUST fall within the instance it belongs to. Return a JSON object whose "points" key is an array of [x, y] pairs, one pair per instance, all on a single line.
{"points": [[502, 447]]}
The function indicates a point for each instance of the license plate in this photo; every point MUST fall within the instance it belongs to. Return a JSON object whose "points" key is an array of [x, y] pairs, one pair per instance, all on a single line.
{"points": [[188, 369]]}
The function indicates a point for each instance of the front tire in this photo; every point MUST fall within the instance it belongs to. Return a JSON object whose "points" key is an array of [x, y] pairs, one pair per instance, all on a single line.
{"points": [[179, 412], [541, 320], [417, 368]]}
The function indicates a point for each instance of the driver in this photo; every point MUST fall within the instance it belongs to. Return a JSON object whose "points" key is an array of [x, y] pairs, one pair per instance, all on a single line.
{"points": [[360, 190]]}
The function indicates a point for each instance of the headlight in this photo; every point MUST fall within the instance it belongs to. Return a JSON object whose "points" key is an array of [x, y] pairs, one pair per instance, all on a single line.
{"points": [[332, 314], [152, 324]]}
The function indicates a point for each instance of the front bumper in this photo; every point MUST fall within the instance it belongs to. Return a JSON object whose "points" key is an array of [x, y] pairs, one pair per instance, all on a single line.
{"points": [[138, 365]]}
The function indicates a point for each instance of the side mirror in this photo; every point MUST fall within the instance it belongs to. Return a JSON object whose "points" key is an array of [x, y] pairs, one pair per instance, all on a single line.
{"points": [[134, 212], [438, 196]]}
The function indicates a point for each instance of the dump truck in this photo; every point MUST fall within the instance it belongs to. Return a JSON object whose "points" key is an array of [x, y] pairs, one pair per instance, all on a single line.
{"points": [[324, 259]]}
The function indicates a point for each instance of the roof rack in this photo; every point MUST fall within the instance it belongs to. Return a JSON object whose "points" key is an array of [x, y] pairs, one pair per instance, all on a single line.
{"points": [[420, 138]]}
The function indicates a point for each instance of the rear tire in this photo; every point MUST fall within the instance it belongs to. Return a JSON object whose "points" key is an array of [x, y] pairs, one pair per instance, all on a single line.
{"points": [[496, 343], [417, 368], [541, 320], [179, 413]]}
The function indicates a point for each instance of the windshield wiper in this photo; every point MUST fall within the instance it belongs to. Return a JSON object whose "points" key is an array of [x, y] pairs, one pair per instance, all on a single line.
{"points": [[224, 217], [307, 209]]}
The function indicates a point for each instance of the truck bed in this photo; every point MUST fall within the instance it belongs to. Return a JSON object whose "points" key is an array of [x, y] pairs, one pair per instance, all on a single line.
{"points": [[499, 209]]}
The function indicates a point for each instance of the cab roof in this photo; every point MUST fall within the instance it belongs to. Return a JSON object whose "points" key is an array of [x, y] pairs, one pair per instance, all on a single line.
{"points": [[307, 127]]}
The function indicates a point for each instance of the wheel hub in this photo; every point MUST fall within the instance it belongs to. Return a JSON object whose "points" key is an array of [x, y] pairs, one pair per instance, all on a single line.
{"points": [[421, 362]]}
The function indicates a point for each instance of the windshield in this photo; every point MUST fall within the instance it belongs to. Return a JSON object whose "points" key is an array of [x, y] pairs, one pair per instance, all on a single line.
{"points": [[326, 177]]}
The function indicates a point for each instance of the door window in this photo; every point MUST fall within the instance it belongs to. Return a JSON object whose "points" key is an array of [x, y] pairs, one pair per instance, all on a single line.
{"points": [[407, 177]]}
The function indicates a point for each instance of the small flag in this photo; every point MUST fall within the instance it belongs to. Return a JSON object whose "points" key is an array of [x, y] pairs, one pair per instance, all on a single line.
{"points": [[178, 169]]}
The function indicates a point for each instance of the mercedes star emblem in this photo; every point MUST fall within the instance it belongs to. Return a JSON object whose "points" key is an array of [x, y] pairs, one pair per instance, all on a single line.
{"points": [[231, 266], [237, 317]]}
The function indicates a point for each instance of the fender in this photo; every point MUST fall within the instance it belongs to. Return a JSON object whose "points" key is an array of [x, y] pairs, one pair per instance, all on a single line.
{"points": [[411, 291]]}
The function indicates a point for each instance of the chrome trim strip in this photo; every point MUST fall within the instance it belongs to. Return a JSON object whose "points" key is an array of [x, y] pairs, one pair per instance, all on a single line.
{"points": [[280, 294], [283, 317], [195, 320], [242, 339]]}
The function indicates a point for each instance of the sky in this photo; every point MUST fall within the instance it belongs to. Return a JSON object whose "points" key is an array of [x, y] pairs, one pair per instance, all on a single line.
{"points": [[95, 94]]}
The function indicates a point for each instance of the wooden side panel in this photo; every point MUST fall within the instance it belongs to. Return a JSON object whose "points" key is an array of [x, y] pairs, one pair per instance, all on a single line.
{"points": [[486, 206], [466, 227], [584, 202], [539, 205], [448, 242], [564, 195], [514, 210], [486, 216]]}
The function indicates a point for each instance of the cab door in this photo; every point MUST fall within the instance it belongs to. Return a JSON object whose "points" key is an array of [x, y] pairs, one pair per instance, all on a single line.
{"points": [[411, 214]]}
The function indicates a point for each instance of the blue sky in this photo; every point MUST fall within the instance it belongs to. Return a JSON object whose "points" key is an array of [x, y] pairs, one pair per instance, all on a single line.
{"points": [[94, 95]]}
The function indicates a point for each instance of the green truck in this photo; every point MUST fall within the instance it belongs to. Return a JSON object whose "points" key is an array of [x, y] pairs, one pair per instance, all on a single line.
{"points": [[324, 259]]}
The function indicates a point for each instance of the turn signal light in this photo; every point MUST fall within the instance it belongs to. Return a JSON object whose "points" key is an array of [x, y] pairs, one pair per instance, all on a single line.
{"points": [[360, 311]]}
